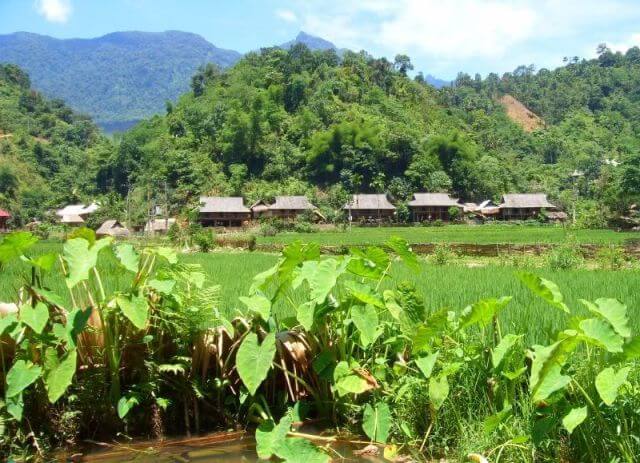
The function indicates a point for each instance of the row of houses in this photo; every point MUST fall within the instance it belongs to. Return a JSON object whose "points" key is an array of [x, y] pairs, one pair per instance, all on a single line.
{"points": [[220, 211]]}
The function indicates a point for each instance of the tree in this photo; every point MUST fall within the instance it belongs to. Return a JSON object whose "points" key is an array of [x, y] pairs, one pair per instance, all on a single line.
{"points": [[402, 63]]}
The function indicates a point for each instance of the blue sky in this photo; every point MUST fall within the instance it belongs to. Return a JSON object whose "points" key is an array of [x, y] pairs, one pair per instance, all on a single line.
{"points": [[441, 36]]}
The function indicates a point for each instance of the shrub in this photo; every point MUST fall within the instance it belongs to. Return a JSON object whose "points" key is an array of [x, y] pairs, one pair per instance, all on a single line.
{"points": [[304, 227], [442, 255], [438, 223], [611, 257], [204, 240], [236, 240], [454, 213], [565, 256], [267, 229]]}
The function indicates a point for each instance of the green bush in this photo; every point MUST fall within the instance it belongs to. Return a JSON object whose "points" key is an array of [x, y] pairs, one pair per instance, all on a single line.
{"points": [[565, 256], [611, 257], [442, 255]]}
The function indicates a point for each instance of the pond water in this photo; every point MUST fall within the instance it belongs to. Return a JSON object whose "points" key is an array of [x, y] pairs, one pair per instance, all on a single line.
{"points": [[219, 448]]}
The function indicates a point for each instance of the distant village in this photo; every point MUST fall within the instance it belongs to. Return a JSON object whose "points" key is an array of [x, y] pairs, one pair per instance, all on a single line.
{"points": [[364, 209]]}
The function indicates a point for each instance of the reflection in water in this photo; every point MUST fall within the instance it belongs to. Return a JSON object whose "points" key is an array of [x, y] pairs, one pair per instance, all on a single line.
{"points": [[216, 448]]}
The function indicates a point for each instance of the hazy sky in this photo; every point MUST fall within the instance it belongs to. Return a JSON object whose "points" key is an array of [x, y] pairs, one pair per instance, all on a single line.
{"points": [[441, 36]]}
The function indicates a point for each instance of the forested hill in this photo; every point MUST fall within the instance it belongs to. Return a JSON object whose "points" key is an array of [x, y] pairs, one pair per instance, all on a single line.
{"points": [[118, 77], [48, 154], [291, 122], [309, 122]]}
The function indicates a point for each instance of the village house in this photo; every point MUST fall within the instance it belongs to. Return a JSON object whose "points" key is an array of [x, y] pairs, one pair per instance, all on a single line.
{"points": [[219, 211], [112, 228], [519, 206], [159, 226], [75, 214], [4, 219], [370, 208], [433, 206], [290, 207]]}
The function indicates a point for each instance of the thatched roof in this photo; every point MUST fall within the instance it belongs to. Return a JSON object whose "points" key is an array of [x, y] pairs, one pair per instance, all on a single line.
{"points": [[159, 225], [378, 202], [300, 203], [434, 199], [526, 200], [72, 219], [222, 204], [259, 206], [112, 228], [77, 209]]}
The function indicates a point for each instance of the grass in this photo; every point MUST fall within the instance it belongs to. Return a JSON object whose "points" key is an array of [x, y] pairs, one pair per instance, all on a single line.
{"points": [[452, 286], [466, 234]]}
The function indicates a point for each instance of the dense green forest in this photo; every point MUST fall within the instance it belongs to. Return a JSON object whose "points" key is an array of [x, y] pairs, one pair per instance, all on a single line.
{"points": [[311, 122]]}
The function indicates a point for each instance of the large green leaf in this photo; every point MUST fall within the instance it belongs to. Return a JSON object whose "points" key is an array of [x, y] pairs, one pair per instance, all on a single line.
{"points": [[403, 250], [546, 376], [321, 276], [438, 390], [347, 381], [253, 360], [305, 313], [59, 373], [503, 347], [44, 262], [259, 304], [574, 418], [7, 323], [269, 436], [126, 404], [609, 382], [36, 317], [364, 293], [21, 375], [433, 327], [376, 422], [370, 263], [168, 254], [15, 406], [299, 450], [128, 257], [14, 245], [136, 309], [613, 311], [482, 311], [546, 289], [162, 286], [366, 320], [601, 333], [76, 322], [81, 258], [426, 364]]}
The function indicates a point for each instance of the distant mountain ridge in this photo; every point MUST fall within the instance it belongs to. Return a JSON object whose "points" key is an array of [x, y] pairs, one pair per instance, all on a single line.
{"points": [[123, 77], [117, 77]]}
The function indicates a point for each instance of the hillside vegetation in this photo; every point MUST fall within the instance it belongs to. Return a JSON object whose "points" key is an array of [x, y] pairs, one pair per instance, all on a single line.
{"points": [[48, 154], [310, 122]]}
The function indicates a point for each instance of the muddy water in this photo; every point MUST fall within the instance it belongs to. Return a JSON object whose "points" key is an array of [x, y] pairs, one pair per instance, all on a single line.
{"points": [[218, 448]]}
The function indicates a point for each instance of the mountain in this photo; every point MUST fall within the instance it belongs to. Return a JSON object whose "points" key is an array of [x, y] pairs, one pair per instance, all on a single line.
{"points": [[115, 78], [311, 41], [436, 82]]}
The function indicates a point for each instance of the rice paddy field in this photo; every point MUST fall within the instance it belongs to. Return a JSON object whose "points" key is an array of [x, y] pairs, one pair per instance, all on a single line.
{"points": [[463, 234], [452, 286]]}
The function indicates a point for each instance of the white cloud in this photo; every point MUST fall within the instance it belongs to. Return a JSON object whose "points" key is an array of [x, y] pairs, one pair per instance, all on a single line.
{"points": [[632, 41], [56, 11], [490, 34], [287, 15]]}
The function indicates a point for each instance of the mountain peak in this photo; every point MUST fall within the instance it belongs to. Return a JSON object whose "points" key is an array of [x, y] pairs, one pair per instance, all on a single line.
{"points": [[311, 41]]}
